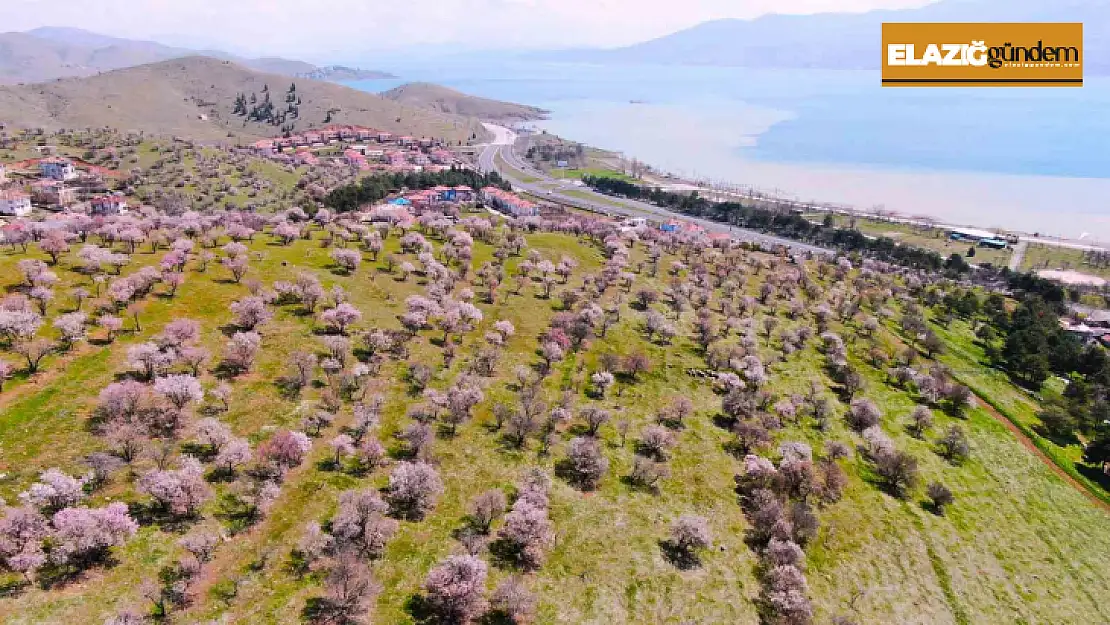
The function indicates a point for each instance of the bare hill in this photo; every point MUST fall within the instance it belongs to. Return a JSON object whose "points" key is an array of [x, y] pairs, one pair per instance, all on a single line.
{"points": [[194, 97], [444, 100]]}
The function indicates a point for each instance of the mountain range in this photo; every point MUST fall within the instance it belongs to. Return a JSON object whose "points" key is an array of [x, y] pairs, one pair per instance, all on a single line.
{"points": [[843, 40], [49, 53]]}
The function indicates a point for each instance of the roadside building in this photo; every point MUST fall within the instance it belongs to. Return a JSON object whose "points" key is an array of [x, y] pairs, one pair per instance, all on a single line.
{"points": [[508, 203], [464, 193], [14, 203], [56, 168], [113, 204], [53, 194]]}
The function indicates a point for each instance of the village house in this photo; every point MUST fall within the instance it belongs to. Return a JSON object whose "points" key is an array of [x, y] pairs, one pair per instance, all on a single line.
{"points": [[464, 193], [265, 147], [53, 194], [441, 157], [509, 203], [354, 158], [113, 204], [58, 169], [385, 137], [678, 225], [15, 203], [304, 157]]}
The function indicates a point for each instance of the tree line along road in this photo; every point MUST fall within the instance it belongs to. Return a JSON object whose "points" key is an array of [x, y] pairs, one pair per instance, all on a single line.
{"points": [[530, 180]]}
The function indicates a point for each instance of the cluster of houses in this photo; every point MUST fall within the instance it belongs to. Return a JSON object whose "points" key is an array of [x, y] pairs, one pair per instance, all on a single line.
{"points": [[1089, 326], [364, 149], [401, 209], [57, 185]]}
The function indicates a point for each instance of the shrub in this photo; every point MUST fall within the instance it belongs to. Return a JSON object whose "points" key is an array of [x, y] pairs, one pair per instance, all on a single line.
{"points": [[954, 446], [940, 497], [898, 472]]}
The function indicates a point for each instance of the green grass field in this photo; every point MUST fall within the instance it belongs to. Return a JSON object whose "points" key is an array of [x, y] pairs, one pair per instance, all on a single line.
{"points": [[599, 172], [931, 239], [1041, 257], [1018, 546]]}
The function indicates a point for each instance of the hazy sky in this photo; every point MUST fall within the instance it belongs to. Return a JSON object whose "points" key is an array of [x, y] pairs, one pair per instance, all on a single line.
{"points": [[336, 29]]}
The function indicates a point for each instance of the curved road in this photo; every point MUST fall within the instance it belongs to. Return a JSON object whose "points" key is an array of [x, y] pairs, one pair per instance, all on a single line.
{"points": [[528, 179]]}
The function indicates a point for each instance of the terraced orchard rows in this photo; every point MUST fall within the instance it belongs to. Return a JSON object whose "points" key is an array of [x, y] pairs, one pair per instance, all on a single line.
{"points": [[234, 418]]}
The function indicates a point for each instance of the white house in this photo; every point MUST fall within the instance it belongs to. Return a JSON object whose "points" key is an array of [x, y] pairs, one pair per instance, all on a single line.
{"points": [[58, 169], [15, 203]]}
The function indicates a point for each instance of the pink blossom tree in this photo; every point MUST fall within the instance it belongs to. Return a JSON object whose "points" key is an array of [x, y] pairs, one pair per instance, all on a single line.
{"points": [[251, 313], [285, 450], [178, 492], [361, 524], [414, 489], [180, 390], [347, 260], [82, 536], [241, 350], [455, 588], [54, 490], [341, 317]]}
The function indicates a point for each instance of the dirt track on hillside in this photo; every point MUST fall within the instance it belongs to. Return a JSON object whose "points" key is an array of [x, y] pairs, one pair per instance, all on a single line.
{"points": [[1024, 440]]}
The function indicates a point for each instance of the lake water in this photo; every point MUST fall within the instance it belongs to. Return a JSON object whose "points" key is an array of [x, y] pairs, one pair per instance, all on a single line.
{"points": [[1036, 160]]}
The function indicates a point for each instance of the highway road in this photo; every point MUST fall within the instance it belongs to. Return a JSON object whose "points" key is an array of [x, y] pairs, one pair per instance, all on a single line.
{"points": [[526, 178]]}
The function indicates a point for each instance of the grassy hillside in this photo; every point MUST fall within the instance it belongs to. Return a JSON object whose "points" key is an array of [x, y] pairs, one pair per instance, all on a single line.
{"points": [[446, 100], [194, 98], [1019, 545]]}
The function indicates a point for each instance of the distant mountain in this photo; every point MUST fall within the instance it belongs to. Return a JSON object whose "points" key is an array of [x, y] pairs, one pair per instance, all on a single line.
{"points": [[444, 100], [194, 97], [49, 53], [339, 73], [845, 40]]}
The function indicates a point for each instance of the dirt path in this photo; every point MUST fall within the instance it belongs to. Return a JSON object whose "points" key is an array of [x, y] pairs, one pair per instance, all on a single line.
{"points": [[1018, 255], [1024, 440]]}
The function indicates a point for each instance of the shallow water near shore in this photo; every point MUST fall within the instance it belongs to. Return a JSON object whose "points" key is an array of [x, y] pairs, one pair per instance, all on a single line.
{"points": [[1034, 160]]}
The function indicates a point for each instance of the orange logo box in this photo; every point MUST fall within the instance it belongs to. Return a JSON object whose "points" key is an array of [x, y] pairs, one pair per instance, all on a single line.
{"points": [[982, 55]]}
